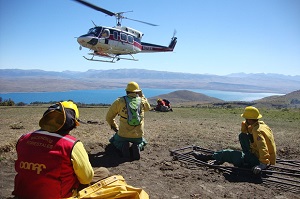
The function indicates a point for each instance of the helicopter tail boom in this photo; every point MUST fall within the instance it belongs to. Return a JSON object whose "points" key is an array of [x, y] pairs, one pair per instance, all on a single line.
{"points": [[148, 48]]}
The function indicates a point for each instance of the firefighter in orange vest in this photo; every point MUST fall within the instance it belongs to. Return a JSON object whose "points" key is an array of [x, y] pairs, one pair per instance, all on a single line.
{"points": [[52, 164]]}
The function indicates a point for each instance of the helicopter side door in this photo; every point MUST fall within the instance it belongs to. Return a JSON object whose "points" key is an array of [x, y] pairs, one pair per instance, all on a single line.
{"points": [[116, 42], [105, 34], [127, 47], [130, 40]]}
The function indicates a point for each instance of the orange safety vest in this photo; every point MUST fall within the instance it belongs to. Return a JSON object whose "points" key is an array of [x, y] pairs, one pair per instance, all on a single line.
{"points": [[44, 168]]}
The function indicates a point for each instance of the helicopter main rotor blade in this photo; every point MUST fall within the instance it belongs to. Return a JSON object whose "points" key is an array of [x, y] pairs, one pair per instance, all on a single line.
{"points": [[151, 24], [118, 15], [96, 7]]}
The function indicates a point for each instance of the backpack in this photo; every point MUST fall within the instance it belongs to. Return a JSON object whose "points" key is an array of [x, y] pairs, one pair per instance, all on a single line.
{"points": [[133, 106], [167, 102]]}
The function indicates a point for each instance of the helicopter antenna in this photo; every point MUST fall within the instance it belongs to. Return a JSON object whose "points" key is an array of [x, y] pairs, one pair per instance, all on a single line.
{"points": [[94, 23], [119, 15]]}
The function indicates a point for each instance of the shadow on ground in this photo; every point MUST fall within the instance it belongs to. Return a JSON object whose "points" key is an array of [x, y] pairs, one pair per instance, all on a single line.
{"points": [[240, 176], [111, 157]]}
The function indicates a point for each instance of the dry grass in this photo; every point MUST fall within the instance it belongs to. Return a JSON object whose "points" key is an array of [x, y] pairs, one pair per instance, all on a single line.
{"points": [[215, 128]]}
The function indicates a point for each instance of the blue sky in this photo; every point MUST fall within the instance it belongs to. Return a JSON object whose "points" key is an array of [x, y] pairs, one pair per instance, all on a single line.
{"points": [[214, 36]]}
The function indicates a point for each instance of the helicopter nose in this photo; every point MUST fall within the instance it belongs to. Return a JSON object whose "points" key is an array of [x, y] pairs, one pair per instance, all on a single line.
{"points": [[82, 40]]}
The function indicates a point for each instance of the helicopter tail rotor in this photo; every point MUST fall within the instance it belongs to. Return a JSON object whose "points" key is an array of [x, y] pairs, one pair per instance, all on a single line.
{"points": [[174, 33], [173, 41]]}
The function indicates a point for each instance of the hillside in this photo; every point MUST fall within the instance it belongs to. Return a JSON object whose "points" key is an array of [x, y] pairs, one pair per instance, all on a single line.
{"points": [[15, 80], [185, 97], [289, 100]]}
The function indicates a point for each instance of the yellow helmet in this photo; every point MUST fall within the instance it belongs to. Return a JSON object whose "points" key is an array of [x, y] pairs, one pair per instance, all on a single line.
{"points": [[71, 105], [55, 117], [251, 112], [133, 87]]}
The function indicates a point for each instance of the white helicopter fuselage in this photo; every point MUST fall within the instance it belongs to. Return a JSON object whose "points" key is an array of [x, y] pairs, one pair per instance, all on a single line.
{"points": [[112, 40]]}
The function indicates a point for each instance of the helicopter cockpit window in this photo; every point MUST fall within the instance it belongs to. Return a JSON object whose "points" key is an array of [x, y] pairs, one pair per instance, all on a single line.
{"points": [[123, 37], [94, 31], [105, 33], [130, 39]]}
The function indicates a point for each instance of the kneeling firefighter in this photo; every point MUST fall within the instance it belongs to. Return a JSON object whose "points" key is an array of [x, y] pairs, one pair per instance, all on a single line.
{"points": [[129, 136]]}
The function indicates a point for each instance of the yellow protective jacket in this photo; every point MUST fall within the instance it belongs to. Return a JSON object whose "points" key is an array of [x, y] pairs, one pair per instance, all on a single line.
{"points": [[81, 164], [112, 187], [124, 129], [263, 145]]}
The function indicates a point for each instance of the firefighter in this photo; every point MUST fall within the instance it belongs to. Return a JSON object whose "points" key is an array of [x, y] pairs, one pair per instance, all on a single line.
{"points": [[129, 134], [257, 143], [163, 105], [52, 164]]}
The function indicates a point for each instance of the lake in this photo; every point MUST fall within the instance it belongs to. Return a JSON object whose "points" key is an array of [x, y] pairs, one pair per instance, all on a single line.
{"points": [[107, 96]]}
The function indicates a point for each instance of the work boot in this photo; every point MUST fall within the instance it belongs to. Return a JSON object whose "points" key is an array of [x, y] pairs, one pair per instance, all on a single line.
{"points": [[202, 157], [215, 162], [135, 151], [125, 150]]}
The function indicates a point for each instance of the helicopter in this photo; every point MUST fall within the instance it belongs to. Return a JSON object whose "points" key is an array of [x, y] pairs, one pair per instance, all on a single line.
{"points": [[118, 42]]}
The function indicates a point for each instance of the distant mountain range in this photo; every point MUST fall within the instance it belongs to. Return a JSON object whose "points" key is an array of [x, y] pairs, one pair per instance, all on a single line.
{"points": [[16, 80]]}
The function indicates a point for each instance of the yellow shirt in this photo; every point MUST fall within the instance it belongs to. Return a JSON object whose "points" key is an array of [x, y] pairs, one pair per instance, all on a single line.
{"points": [[125, 130], [263, 145], [81, 164]]}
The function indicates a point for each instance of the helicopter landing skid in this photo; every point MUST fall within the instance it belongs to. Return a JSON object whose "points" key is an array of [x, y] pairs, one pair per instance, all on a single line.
{"points": [[92, 59], [113, 59]]}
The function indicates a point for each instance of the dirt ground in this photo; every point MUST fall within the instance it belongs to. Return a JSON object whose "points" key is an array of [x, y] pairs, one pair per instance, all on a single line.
{"points": [[156, 172]]}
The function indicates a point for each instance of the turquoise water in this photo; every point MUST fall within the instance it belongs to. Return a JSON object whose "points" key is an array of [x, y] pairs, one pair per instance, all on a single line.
{"points": [[107, 96]]}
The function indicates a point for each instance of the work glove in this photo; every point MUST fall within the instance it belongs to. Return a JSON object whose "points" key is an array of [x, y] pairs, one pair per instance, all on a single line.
{"points": [[244, 127], [140, 93], [250, 127], [257, 169]]}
